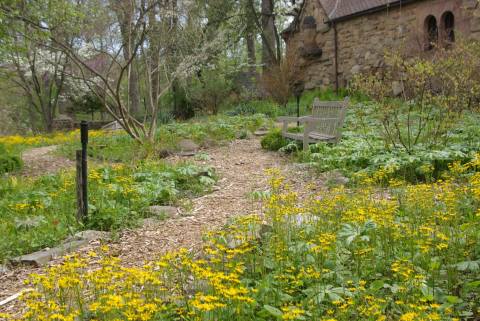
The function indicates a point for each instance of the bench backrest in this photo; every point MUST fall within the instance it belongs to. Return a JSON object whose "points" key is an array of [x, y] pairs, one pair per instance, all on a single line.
{"points": [[330, 115]]}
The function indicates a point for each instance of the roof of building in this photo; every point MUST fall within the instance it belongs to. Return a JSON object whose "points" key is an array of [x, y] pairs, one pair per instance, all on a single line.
{"points": [[341, 9], [345, 9]]}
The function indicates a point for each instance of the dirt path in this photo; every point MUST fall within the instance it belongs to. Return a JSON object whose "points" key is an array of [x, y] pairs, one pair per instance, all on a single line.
{"points": [[241, 166], [41, 161]]}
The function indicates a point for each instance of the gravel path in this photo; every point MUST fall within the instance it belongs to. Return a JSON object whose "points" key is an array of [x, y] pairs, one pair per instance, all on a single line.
{"points": [[41, 161], [241, 167]]}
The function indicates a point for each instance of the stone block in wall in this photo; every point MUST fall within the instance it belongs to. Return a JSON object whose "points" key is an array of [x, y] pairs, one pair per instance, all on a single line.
{"points": [[475, 36], [323, 28], [327, 62], [475, 25], [310, 85], [397, 88], [356, 69], [470, 4], [320, 40], [311, 52]]}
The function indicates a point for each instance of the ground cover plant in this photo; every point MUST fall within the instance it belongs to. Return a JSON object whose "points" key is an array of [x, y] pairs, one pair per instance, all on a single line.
{"points": [[40, 212], [119, 147], [19, 143], [408, 252], [8, 161], [362, 151]]}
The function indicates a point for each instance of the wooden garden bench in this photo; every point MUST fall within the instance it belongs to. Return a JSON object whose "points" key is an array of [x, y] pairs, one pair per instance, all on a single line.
{"points": [[324, 125]]}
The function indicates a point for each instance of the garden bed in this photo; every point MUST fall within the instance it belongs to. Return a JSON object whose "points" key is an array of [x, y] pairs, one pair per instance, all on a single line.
{"points": [[40, 212], [348, 255]]}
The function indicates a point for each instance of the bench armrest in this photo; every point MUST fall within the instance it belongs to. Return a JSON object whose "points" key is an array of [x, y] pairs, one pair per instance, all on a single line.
{"points": [[309, 119], [292, 119], [287, 119]]}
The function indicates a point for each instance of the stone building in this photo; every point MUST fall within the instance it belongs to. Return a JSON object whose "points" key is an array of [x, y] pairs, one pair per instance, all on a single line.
{"points": [[333, 39]]}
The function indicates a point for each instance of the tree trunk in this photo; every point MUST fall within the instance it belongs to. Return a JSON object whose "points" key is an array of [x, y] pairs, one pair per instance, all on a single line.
{"points": [[252, 59], [268, 39], [155, 56], [134, 93], [125, 11]]}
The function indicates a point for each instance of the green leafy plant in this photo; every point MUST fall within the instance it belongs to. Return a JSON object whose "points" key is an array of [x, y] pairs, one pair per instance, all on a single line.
{"points": [[35, 213], [208, 91], [274, 140], [8, 162]]}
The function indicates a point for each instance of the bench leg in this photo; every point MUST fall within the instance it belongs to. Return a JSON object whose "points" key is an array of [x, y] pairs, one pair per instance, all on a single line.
{"points": [[285, 127], [306, 134], [305, 144]]}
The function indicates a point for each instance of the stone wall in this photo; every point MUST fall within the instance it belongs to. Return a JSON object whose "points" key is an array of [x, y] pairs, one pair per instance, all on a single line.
{"points": [[362, 41]]}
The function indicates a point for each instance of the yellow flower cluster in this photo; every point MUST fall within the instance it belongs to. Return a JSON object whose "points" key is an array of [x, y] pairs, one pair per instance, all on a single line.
{"points": [[47, 139], [368, 254]]}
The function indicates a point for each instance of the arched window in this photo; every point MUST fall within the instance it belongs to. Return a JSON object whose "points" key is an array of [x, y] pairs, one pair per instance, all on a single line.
{"points": [[448, 27], [431, 30]]}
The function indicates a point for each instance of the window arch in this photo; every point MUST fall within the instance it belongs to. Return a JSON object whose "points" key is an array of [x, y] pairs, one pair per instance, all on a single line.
{"points": [[448, 27], [431, 31]]}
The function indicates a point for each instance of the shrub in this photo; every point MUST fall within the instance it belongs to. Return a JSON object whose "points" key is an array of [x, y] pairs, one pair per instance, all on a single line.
{"points": [[264, 107], [274, 140], [8, 163], [208, 91], [434, 93], [278, 82]]}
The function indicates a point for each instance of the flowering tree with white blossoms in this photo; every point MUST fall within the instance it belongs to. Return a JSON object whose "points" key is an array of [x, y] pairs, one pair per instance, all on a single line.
{"points": [[158, 41], [39, 71]]}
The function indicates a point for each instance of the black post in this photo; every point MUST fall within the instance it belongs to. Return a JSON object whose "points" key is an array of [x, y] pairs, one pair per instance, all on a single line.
{"points": [[298, 110], [84, 139], [298, 88], [79, 185]]}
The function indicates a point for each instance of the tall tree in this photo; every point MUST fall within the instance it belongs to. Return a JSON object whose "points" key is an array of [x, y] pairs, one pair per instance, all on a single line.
{"points": [[269, 42], [125, 11], [250, 40]]}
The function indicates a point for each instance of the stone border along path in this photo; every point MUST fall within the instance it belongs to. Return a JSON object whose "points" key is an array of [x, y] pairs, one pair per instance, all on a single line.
{"points": [[241, 166]]}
